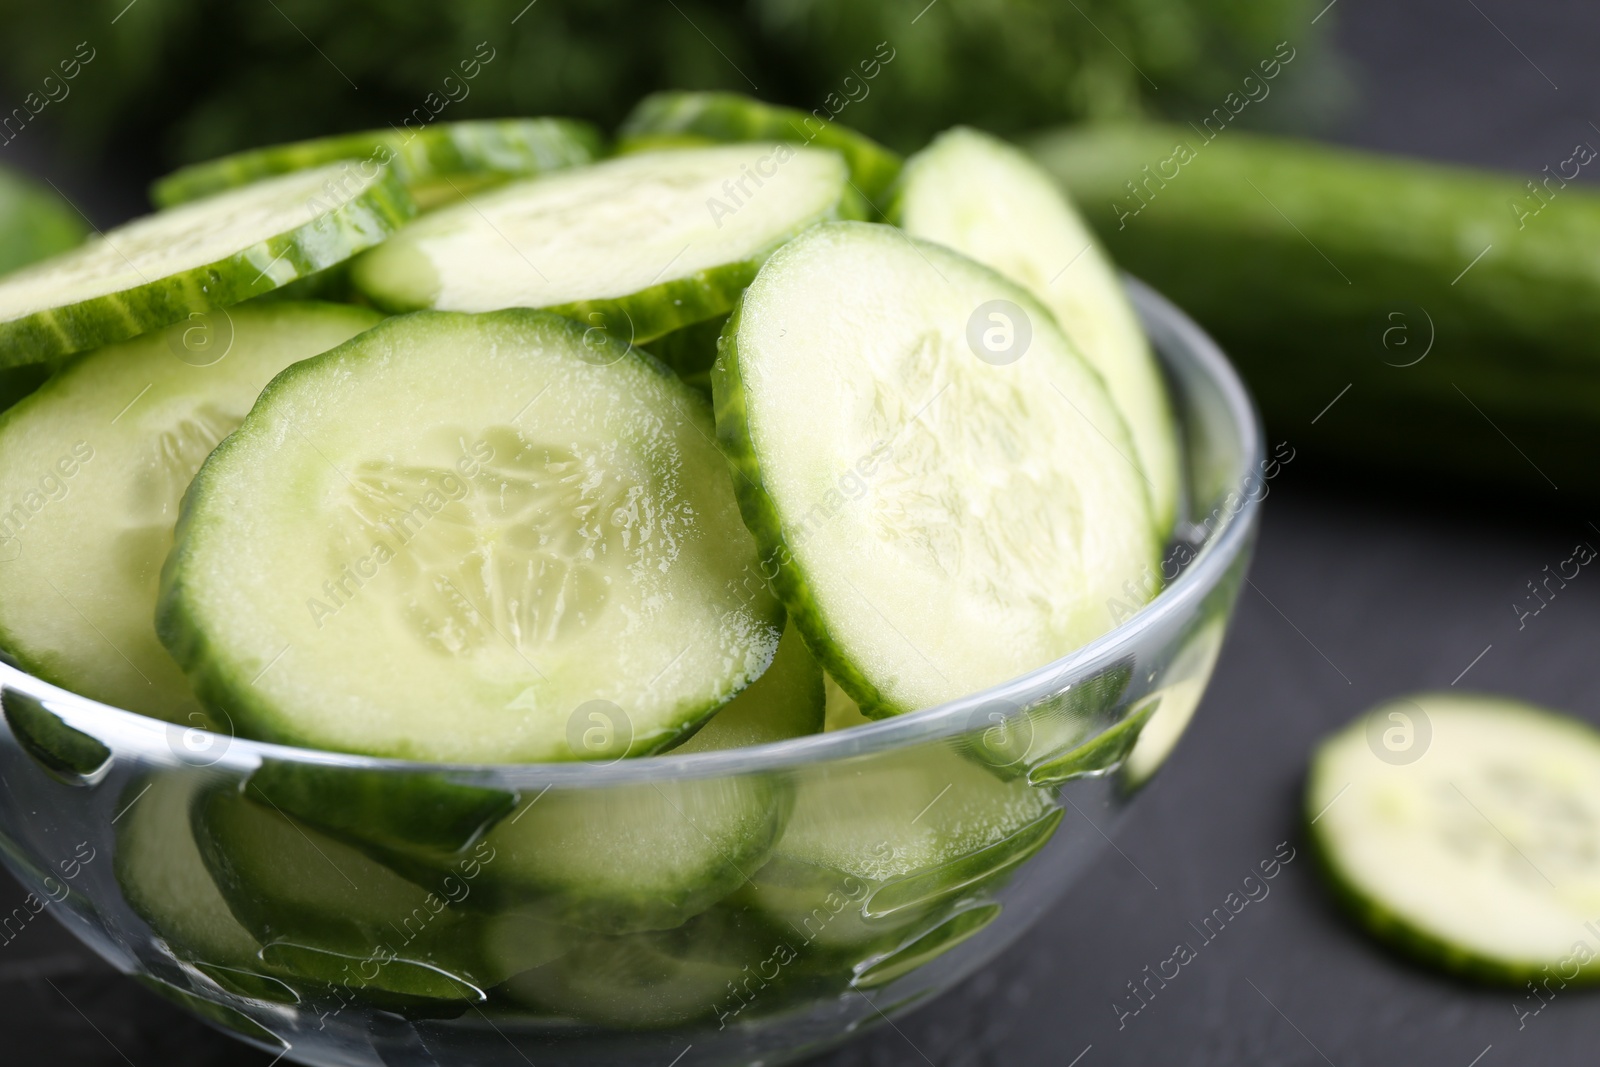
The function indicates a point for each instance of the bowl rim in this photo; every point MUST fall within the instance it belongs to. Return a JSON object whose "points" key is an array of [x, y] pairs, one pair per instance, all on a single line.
{"points": [[1178, 342]]}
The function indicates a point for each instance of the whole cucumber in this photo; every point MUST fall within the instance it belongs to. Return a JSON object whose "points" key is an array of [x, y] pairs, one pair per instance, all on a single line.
{"points": [[1453, 313]]}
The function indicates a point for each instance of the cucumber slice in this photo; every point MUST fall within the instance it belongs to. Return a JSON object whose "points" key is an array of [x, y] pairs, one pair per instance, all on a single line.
{"points": [[550, 543], [162, 268], [939, 523], [636, 857], [980, 196], [1461, 830], [69, 754], [635, 247], [876, 850], [92, 468], [1186, 684], [689, 117], [787, 701], [34, 222], [166, 883], [436, 163]]}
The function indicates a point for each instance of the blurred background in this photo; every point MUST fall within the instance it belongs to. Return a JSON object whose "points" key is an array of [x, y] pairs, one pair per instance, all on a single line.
{"points": [[1378, 572]]}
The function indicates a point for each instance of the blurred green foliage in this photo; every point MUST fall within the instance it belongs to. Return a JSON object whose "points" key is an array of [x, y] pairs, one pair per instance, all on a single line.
{"points": [[179, 80]]}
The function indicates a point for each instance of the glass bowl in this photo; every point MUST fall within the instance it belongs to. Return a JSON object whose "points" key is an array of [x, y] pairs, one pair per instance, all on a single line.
{"points": [[754, 905]]}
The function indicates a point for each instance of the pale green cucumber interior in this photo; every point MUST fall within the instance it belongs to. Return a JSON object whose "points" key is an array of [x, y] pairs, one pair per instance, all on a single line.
{"points": [[92, 469], [471, 540], [190, 236], [985, 199], [1472, 819], [787, 701], [946, 523], [605, 231]]}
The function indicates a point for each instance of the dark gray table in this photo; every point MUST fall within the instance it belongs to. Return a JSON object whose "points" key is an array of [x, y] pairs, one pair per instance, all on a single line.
{"points": [[1359, 592]]}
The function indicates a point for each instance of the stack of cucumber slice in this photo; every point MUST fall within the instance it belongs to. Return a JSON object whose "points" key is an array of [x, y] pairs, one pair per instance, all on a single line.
{"points": [[495, 527]]}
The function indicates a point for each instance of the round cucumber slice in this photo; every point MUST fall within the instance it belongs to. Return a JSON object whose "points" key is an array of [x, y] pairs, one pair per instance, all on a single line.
{"points": [[878, 853], [688, 117], [436, 163], [980, 196], [1461, 829], [939, 522], [549, 548], [34, 222], [633, 247], [92, 469], [160, 269]]}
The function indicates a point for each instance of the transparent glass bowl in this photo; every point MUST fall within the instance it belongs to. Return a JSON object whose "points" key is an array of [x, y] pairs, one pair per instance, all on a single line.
{"points": [[751, 905]]}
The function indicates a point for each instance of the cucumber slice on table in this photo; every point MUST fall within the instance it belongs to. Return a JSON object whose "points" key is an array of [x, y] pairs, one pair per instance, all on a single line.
{"points": [[634, 247], [35, 222], [980, 196], [939, 523], [1462, 830], [92, 469], [436, 163], [160, 269], [548, 543], [695, 117]]}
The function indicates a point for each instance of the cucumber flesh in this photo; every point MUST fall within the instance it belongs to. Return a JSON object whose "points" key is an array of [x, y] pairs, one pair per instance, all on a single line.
{"points": [[787, 701], [92, 469], [874, 849], [634, 247], [160, 269], [939, 523], [1186, 680], [433, 162], [687, 117], [980, 196], [549, 548], [1462, 829], [165, 880]]}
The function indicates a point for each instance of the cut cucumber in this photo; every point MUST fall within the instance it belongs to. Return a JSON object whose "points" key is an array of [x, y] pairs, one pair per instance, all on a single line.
{"points": [[985, 199], [1186, 680], [689, 117], [634, 247], [939, 523], [92, 469], [787, 701], [34, 222], [875, 848], [436, 163], [1463, 831], [162, 268], [549, 548], [165, 881], [326, 914]]}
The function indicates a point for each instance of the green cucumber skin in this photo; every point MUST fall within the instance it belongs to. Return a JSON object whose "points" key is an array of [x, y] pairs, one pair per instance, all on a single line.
{"points": [[679, 117], [1514, 335], [466, 150], [761, 518], [363, 221]]}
